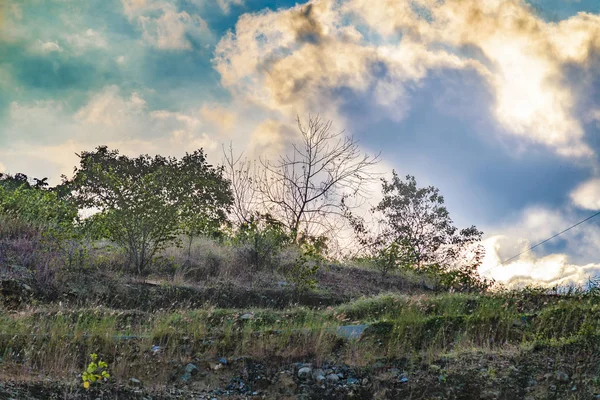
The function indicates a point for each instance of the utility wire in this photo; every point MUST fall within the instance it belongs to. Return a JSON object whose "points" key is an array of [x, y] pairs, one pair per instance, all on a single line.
{"points": [[550, 238]]}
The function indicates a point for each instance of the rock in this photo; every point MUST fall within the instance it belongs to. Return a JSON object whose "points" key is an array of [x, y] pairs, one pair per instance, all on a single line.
{"points": [[403, 379], [247, 316], [352, 381], [223, 360], [317, 372], [304, 373], [561, 376], [320, 379], [351, 331], [135, 382], [191, 368], [333, 378]]}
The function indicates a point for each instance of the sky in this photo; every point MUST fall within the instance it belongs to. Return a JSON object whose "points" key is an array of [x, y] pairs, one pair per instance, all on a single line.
{"points": [[495, 102]]}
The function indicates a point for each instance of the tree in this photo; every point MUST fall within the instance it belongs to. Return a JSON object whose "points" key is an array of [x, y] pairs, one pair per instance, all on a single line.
{"points": [[415, 229], [309, 188], [144, 202], [15, 181], [242, 174]]}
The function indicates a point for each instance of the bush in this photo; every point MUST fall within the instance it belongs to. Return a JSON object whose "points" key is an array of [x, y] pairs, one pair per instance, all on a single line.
{"points": [[258, 242]]}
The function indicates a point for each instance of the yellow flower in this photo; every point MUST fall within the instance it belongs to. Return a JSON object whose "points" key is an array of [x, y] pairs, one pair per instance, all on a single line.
{"points": [[86, 384]]}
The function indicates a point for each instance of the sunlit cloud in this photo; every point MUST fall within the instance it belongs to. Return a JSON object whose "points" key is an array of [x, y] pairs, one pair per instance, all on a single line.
{"points": [[553, 270], [284, 60], [574, 264]]}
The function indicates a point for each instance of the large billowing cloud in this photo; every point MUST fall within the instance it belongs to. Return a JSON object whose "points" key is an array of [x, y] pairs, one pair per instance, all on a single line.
{"points": [[293, 60]]}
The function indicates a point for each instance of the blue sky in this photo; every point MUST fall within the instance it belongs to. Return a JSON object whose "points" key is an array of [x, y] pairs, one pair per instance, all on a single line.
{"points": [[496, 102]]}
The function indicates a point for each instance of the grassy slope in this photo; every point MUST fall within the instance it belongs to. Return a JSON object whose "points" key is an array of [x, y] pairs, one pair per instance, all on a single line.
{"points": [[448, 346]]}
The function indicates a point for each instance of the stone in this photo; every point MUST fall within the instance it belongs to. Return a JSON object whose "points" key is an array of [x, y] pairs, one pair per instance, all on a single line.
{"points": [[304, 373], [352, 381], [561, 376], [351, 331], [333, 378], [403, 379], [135, 382], [247, 316], [317, 372], [191, 368]]}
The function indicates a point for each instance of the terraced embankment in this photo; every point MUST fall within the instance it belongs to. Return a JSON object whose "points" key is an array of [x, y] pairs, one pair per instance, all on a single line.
{"points": [[451, 346]]}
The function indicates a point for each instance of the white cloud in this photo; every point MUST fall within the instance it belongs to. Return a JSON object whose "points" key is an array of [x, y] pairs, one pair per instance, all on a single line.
{"points": [[221, 117], [86, 40], [549, 271], [163, 26], [49, 47], [226, 4], [573, 265], [110, 109], [587, 195]]}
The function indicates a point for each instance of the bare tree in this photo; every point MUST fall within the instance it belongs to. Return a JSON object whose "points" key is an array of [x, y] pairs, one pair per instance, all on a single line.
{"points": [[321, 177], [241, 173]]}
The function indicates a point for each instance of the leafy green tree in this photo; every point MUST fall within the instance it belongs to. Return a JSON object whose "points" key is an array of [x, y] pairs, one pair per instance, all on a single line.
{"points": [[145, 202], [415, 229], [29, 203], [47, 221], [11, 182]]}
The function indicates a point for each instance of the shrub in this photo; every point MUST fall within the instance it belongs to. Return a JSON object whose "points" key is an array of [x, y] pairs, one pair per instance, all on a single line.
{"points": [[258, 242]]}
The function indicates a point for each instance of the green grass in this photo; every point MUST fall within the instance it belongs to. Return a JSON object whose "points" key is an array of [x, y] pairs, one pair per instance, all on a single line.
{"points": [[59, 341]]}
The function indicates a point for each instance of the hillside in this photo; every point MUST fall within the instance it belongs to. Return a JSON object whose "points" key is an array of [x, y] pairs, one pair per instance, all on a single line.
{"points": [[166, 341]]}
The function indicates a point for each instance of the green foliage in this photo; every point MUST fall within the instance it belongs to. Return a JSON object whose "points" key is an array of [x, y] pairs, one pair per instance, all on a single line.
{"points": [[259, 240], [308, 263], [37, 206], [96, 372], [49, 222], [145, 202], [393, 257], [462, 279]]}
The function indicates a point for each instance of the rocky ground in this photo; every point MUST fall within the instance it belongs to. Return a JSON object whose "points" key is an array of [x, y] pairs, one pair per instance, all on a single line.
{"points": [[169, 342]]}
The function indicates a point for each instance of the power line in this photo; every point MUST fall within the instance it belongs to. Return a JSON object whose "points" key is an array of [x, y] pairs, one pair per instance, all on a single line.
{"points": [[550, 238]]}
